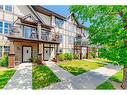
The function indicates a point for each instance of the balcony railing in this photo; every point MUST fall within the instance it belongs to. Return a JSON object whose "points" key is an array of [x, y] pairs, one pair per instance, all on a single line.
{"points": [[32, 33], [81, 42]]}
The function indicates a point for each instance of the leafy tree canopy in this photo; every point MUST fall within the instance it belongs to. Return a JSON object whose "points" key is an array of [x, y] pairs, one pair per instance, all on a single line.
{"points": [[108, 28]]}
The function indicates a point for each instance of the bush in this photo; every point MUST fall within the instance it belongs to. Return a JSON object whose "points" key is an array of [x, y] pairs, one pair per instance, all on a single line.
{"points": [[68, 56], [4, 61], [33, 59], [61, 57], [76, 56]]}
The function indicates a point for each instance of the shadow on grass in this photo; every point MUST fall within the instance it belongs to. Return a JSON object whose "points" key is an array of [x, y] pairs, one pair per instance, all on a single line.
{"points": [[74, 70], [42, 76]]}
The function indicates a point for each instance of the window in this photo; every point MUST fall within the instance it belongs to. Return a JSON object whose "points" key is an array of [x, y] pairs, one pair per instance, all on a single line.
{"points": [[72, 28], [1, 27], [0, 51], [71, 40], [7, 27], [6, 49], [8, 8], [27, 32], [1, 7], [61, 38], [59, 22]]}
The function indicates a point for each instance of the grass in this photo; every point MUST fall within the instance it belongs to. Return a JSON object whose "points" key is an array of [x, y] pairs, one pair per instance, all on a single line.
{"points": [[118, 77], [5, 77], [79, 67], [42, 76], [101, 60], [105, 86]]}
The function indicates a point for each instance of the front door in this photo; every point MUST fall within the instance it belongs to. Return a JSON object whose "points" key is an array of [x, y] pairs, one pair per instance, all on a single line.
{"points": [[26, 54], [46, 54]]}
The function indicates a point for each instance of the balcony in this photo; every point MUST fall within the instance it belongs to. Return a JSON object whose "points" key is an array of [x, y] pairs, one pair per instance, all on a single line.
{"points": [[32, 34], [81, 42]]}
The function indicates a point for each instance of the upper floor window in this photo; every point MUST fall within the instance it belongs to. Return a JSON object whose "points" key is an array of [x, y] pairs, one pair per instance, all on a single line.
{"points": [[72, 28], [7, 27], [1, 7], [1, 27], [59, 22], [61, 38], [71, 40], [8, 8]]}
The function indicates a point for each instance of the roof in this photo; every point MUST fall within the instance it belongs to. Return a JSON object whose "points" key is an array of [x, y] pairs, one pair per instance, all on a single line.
{"points": [[48, 12]]}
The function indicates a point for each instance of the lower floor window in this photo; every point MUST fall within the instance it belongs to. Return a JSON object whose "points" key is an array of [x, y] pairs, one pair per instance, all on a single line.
{"points": [[6, 49], [0, 51]]}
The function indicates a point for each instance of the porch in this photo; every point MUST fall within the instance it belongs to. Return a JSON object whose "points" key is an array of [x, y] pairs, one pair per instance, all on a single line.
{"points": [[22, 50]]}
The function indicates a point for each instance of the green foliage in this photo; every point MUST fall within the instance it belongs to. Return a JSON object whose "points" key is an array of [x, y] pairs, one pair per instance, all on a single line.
{"points": [[105, 86], [4, 61], [33, 59], [68, 56], [76, 56], [61, 57], [118, 77], [42, 76], [65, 56], [107, 28], [5, 77]]}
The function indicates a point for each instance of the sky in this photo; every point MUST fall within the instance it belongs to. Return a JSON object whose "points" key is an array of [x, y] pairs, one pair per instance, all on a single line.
{"points": [[62, 10]]}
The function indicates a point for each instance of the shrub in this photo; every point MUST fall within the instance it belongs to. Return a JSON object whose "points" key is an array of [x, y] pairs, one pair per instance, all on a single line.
{"points": [[61, 57], [68, 56], [76, 56], [4, 61], [33, 59]]}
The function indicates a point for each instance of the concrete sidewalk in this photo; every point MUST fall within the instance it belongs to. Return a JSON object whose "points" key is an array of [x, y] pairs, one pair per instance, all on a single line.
{"points": [[58, 71], [89, 80], [22, 79]]}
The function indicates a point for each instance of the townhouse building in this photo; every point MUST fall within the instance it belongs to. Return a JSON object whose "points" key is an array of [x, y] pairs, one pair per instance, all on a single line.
{"points": [[34, 31]]}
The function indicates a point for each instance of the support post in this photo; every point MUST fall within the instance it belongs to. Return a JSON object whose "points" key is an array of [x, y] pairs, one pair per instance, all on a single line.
{"points": [[11, 59], [40, 54], [81, 57]]}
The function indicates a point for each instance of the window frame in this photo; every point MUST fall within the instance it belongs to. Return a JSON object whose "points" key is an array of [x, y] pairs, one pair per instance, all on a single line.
{"points": [[2, 7], [2, 27], [57, 23], [8, 28], [8, 10]]}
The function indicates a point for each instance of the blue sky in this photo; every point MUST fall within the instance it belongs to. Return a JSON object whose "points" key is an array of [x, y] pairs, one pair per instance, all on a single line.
{"points": [[62, 10]]}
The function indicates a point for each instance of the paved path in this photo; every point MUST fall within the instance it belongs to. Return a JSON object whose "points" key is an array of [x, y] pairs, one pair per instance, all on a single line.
{"points": [[89, 80], [59, 72], [22, 79]]}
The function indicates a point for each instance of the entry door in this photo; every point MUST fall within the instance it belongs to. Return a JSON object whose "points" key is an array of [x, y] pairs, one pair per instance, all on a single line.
{"points": [[46, 54], [26, 54]]}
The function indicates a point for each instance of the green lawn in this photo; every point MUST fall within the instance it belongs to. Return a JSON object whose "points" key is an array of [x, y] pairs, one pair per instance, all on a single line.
{"points": [[79, 67], [118, 77], [5, 76], [101, 60], [105, 86], [42, 76]]}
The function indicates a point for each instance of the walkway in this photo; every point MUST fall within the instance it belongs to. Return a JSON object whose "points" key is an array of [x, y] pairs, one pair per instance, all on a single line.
{"points": [[89, 80], [22, 79], [59, 72]]}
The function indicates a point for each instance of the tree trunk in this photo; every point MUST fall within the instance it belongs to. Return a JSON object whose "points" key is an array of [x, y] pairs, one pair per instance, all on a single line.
{"points": [[124, 84]]}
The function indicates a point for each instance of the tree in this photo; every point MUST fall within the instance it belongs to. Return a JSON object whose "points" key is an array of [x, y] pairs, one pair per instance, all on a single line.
{"points": [[108, 28]]}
